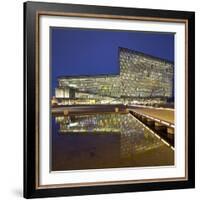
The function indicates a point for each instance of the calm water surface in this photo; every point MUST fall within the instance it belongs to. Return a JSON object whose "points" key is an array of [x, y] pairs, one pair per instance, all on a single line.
{"points": [[105, 141]]}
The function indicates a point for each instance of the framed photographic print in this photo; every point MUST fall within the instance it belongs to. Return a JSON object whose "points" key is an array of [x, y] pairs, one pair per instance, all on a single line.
{"points": [[108, 99]]}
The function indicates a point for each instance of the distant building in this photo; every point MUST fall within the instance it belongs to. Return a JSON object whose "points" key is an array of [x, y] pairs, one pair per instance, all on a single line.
{"points": [[143, 79]]}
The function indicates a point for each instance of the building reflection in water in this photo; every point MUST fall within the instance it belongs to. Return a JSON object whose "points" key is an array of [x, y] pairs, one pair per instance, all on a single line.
{"points": [[105, 141]]}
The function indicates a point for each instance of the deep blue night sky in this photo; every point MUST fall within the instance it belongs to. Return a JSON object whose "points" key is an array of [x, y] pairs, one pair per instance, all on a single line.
{"points": [[76, 52]]}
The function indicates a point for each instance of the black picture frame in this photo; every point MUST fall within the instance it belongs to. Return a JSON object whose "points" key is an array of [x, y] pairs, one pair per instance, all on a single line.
{"points": [[32, 10]]}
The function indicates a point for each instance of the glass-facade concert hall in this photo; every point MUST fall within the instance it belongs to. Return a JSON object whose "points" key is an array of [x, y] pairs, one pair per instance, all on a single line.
{"points": [[143, 79]]}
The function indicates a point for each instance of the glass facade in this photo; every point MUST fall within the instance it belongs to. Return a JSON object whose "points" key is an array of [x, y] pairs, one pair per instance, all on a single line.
{"points": [[143, 79]]}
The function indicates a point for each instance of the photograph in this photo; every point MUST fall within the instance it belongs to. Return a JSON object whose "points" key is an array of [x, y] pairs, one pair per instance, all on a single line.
{"points": [[112, 98], [108, 99]]}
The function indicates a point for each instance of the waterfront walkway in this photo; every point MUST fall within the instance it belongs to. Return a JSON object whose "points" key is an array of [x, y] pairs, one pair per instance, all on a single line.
{"points": [[163, 114]]}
